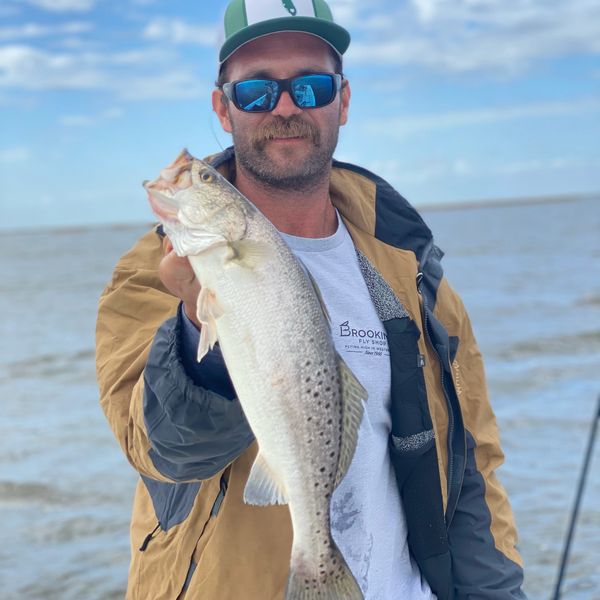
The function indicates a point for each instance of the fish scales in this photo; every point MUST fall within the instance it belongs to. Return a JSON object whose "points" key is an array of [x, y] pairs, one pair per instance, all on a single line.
{"points": [[300, 400]]}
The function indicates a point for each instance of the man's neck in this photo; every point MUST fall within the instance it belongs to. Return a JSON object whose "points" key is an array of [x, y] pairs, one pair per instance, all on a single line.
{"points": [[307, 214]]}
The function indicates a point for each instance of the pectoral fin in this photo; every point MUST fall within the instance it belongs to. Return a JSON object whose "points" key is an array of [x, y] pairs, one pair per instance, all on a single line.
{"points": [[208, 311], [263, 487], [251, 254], [353, 394]]}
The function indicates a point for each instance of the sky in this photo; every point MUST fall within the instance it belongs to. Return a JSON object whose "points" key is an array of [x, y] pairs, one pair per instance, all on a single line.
{"points": [[452, 100]]}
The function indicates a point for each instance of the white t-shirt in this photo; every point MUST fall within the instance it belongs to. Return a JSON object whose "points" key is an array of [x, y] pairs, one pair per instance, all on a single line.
{"points": [[367, 518]]}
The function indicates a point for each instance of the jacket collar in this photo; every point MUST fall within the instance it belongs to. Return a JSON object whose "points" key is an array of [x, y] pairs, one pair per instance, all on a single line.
{"points": [[366, 201]]}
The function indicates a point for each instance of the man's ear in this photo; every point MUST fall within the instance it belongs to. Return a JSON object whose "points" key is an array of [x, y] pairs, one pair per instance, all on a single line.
{"points": [[345, 101], [220, 104]]}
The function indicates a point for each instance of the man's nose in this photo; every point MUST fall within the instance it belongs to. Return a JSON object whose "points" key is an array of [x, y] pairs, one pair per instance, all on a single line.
{"points": [[286, 107]]}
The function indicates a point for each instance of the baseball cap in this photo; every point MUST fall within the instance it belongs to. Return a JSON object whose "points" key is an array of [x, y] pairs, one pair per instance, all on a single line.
{"points": [[246, 20]]}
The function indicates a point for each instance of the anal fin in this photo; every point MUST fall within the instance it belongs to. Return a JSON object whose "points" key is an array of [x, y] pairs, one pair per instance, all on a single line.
{"points": [[262, 487]]}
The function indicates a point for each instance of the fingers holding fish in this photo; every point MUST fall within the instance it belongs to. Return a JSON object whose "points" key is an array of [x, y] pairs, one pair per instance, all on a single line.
{"points": [[179, 278]]}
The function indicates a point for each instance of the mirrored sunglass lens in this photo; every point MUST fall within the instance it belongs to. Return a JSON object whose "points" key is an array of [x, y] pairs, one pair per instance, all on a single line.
{"points": [[313, 90], [256, 95]]}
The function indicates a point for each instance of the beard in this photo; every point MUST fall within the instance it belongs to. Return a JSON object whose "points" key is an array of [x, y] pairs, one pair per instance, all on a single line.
{"points": [[291, 172]]}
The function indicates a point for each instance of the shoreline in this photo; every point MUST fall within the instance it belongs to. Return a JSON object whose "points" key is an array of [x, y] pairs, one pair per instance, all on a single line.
{"points": [[431, 207], [501, 202]]}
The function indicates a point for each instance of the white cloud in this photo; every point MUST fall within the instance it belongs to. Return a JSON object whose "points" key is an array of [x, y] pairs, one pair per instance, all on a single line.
{"points": [[14, 155], [405, 126], [536, 165], [112, 113], [176, 84], [135, 74], [458, 36], [109, 114], [34, 30], [63, 5], [409, 173], [178, 31], [77, 120], [26, 67]]}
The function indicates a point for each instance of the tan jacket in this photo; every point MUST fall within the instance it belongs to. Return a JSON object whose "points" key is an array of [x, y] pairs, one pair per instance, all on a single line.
{"points": [[199, 539]]}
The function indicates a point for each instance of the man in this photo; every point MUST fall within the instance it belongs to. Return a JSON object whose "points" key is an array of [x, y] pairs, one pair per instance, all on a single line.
{"points": [[420, 513]]}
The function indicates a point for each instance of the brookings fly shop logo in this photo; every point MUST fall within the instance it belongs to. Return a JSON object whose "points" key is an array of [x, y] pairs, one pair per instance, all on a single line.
{"points": [[369, 342], [289, 6], [347, 331]]}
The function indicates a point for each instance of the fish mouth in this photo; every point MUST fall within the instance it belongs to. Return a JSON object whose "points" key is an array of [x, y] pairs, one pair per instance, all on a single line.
{"points": [[171, 180]]}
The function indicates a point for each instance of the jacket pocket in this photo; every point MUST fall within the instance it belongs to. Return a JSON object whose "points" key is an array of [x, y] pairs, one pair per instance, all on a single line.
{"points": [[205, 535], [172, 501]]}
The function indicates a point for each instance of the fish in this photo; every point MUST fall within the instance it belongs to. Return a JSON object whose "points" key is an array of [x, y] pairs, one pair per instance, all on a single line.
{"points": [[301, 400]]}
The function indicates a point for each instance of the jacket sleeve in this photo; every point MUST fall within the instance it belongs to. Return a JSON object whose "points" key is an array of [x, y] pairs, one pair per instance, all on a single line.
{"points": [[170, 427], [482, 535]]}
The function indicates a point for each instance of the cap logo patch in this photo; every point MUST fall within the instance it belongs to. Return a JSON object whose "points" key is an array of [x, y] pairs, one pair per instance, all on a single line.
{"points": [[289, 6]]}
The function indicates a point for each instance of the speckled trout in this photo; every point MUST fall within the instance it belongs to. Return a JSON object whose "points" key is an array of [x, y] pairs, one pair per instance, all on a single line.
{"points": [[302, 402]]}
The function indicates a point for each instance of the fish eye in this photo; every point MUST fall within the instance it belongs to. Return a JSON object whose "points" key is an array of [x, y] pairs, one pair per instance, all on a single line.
{"points": [[206, 176]]}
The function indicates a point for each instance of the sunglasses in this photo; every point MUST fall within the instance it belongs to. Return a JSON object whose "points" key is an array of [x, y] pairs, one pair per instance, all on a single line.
{"points": [[262, 95]]}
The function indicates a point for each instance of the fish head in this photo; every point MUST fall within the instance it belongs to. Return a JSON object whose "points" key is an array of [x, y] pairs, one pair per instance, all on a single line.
{"points": [[197, 206]]}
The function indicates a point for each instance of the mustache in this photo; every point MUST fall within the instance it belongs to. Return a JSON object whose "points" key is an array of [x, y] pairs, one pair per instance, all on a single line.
{"points": [[281, 127]]}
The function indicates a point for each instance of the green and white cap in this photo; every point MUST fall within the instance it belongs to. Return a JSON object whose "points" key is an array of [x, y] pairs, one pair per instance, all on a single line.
{"points": [[246, 20]]}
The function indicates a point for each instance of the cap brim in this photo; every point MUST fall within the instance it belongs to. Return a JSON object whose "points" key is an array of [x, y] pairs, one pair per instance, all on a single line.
{"points": [[332, 33]]}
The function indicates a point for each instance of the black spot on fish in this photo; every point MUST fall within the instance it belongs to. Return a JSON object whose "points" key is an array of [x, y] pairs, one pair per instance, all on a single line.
{"points": [[322, 469]]}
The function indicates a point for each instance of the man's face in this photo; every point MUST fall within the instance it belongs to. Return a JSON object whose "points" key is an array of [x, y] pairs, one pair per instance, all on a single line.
{"points": [[289, 147]]}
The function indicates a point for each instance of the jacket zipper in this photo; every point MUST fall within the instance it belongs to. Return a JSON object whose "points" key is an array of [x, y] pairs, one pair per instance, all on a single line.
{"points": [[214, 511], [450, 434], [148, 538]]}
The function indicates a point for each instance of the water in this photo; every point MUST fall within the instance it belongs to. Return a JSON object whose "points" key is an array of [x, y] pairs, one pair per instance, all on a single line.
{"points": [[530, 278]]}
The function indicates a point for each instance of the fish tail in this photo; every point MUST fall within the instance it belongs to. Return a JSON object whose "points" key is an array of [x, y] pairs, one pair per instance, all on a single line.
{"points": [[332, 582]]}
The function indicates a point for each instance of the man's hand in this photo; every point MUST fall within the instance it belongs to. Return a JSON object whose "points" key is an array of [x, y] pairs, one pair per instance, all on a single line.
{"points": [[179, 278]]}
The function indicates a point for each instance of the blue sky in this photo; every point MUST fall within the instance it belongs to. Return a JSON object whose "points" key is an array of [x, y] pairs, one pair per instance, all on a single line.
{"points": [[453, 100]]}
